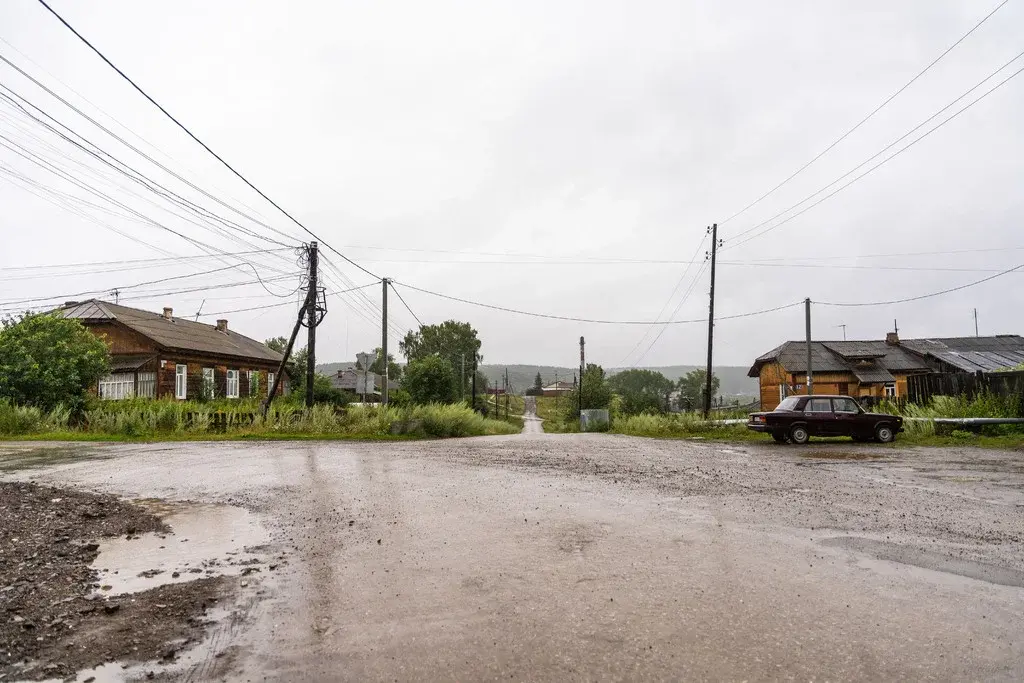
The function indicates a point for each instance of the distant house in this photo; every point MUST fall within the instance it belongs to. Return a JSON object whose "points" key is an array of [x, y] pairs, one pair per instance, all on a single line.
{"points": [[357, 381], [156, 355], [876, 369], [352, 377], [559, 388]]}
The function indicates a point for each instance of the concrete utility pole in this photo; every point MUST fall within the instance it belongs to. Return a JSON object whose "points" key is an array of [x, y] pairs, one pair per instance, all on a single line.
{"points": [[384, 343], [711, 322], [473, 404], [810, 370], [462, 385], [976, 322], [311, 323], [506, 393], [583, 366]]}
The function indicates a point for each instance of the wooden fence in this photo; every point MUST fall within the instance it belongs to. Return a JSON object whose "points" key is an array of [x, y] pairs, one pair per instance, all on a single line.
{"points": [[921, 388]]}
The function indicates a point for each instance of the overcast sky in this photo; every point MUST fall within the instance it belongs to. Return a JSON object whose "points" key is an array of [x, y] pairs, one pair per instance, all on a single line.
{"points": [[571, 132]]}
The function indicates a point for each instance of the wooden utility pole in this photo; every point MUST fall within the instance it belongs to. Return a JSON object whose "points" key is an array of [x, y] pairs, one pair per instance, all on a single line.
{"points": [[583, 366], [810, 369], [711, 322], [384, 343], [506, 393], [311, 323], [308, 305]]}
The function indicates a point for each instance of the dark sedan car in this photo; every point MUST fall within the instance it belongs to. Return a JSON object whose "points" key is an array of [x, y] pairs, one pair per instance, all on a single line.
{"points": [[800, 417]]}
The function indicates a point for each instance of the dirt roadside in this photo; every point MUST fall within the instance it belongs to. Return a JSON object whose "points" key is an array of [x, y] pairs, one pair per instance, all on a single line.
{"points": [[54, 619]]}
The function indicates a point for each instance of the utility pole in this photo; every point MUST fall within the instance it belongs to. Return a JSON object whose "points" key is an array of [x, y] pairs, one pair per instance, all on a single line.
{"points": [[311, 323], [384, 343], [810, 370], [462, 385], [506, 393], [976, 322], [583, 366], [711, 322], [307, 313], [473, 405]]}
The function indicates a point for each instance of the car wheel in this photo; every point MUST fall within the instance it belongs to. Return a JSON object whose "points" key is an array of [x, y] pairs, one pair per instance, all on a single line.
{"points": [[779, 438], [885, 434], [799, 435]]}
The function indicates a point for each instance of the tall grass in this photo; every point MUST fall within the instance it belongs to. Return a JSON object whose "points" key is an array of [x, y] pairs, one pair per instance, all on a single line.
{"points": [[152, 419], [676, 425]]}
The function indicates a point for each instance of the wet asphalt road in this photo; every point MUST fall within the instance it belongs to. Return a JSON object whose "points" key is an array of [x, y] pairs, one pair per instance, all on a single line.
{"points": [[597, 557]]}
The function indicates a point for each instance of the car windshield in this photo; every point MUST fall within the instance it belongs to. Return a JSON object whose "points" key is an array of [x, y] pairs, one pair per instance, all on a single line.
{"points": [[789, 403]]}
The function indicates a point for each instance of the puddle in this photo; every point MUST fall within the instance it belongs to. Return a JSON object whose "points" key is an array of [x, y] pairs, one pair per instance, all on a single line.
{"points": [[924, 559], [13, 458], [206, 540], [841, 455]]}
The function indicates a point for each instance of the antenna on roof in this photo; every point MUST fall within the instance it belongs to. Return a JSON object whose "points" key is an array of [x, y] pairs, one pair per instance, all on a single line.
{"points": [[200, 309], [895, 327], [844, 330], [117, 294]]}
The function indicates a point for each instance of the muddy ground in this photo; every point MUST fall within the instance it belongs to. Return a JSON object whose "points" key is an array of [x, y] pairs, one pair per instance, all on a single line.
{"points": [[600, 557], [54, 617]]}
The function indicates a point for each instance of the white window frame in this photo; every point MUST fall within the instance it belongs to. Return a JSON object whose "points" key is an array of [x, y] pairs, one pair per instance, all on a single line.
{"points": [[891, 391], [254, 382], [209, 380], [180, 382], [145, 385], [116, 386], [231, 390], [270, 382]]}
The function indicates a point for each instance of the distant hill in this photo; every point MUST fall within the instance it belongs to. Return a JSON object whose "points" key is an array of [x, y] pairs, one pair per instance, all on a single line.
{"points": [[733, 378]]}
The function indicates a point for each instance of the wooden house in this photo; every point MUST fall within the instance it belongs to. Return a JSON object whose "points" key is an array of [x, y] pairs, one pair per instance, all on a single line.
{"points": [[876, 369], [156, 355]]}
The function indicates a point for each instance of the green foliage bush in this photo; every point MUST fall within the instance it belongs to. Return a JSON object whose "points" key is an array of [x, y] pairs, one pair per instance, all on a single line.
{"points": [[430, 380], [46, 360]]}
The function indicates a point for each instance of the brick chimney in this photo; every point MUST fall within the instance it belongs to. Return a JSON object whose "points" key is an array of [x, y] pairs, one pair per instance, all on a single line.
{"points": [[168, 313], [222, 325], [892, 338]]}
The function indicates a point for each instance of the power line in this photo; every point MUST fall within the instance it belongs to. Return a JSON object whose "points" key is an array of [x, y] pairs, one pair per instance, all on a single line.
{"points": [[150, 261], [883, 150], [402, 299], [879, 164], [201, 143], [138, 151], [132, 173], [923, 296], [866, 118], [686, 296], [550, 316], [668, 300], [283, 303], [123, 287]]}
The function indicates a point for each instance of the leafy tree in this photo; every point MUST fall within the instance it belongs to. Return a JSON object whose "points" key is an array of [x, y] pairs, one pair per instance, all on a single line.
{"points": [[642, 391], [47, 359], [692, 386], [596, 392], [430, 380], [295, 368], [452, 340]]}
